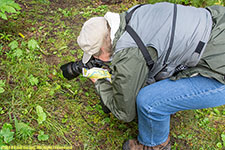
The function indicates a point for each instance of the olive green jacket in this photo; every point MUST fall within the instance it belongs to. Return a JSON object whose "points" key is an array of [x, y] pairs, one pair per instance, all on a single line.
{"points": [[129, 70]]}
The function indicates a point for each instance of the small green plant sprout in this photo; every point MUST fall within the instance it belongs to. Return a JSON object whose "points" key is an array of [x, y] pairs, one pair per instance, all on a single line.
{"points": [[219, 145], [33, 80], [14, 47], [32, 44], [2, 84], [42, 136], [66, 13], [64, 120], [41, 114], [6, 133], [23, 130], [89, 11], [1, 111], [5, 36], [8, 6]]}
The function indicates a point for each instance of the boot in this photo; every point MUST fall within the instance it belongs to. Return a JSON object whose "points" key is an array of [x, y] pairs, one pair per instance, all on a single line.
{"points": [[135, 145]]}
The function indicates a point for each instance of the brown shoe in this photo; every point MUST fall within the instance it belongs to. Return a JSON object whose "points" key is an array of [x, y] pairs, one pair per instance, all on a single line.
{"points": [[135, 145]]}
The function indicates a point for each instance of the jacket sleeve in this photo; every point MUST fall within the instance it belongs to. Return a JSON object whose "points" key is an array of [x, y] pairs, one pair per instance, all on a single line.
{"points": [[129, 74]]}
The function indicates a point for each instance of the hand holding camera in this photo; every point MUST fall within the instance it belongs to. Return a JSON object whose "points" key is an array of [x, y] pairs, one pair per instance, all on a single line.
{"points": [[73, 69]]}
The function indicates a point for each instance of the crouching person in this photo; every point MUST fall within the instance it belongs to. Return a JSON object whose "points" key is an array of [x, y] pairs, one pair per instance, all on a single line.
{"points": [[164, 58]]}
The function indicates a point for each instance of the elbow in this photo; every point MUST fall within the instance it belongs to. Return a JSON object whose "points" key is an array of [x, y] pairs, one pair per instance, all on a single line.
{"points": [[126, 117], [104, 107]]}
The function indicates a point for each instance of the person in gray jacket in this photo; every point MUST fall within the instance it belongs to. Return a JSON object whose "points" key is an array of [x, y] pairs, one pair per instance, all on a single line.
{"points": [[164, 58]]}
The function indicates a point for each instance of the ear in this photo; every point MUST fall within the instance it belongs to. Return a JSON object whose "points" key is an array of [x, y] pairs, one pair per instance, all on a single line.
{"points": [[102, 49]]}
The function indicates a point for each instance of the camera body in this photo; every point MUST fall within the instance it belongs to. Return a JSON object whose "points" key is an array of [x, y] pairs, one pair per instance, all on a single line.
{"points": [[73, 69]]}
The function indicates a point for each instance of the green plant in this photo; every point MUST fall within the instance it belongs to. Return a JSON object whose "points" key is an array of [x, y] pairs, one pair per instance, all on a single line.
{"points": [[5, 36], [23, 131], [42, 136], [13, 45], [41, 114], [33, 80], [8, 6], [1, 111], [15, 51], [64, 120], [32, 44], [6, 133], [89, 11], [66, 13]]}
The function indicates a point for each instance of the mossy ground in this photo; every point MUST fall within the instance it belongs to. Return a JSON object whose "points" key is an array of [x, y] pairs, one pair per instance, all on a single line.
{"points": [[74, 116]]}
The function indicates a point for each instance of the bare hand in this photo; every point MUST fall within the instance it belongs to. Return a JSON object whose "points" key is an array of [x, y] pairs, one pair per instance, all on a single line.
{"points": [[94, 80]]}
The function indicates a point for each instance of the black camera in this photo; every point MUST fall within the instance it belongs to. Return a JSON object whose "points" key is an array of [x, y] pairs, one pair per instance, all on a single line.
{"points": [[73, 69]]}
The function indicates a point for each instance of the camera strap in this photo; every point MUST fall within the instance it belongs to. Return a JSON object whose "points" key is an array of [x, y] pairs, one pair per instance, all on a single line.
{"points": [[137, 39]]}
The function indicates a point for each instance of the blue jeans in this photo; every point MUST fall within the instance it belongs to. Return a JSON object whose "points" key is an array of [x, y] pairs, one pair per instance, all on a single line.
{"points": [[156, 102]]}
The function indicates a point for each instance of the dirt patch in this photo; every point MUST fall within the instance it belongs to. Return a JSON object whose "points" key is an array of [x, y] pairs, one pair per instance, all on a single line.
{"points": [[51, 59]]}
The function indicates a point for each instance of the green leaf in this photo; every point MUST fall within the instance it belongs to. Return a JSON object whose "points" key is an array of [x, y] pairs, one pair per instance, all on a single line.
{"points": [[64, 120], [33, 80], [13, 45], [15, 5], [8, 6], [42, 136], [9, 9], [2, 83], [1, 90], [223, 137], [219, 145], [3, 16], [32, 44], [7, 126], [41, 114], [6, 133], [18, 53], [2, 111]]}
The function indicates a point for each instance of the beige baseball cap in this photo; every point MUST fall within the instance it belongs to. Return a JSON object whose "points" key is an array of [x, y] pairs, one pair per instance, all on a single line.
{"points": [[91, 37]]}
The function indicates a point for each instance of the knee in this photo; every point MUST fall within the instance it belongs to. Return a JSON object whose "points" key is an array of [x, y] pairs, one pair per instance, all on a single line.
{"points": [[144, 100]]}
